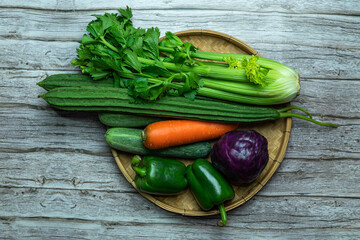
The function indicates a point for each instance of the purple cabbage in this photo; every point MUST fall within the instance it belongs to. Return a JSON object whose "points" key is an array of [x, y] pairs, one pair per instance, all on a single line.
{"points": [[240, 156]]}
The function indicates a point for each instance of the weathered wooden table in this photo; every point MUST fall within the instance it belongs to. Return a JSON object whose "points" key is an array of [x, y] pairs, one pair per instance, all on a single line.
{"points": [[58, 179]]}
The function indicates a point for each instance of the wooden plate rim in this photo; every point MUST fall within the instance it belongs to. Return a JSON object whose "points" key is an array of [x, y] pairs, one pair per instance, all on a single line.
{"points": [[259, 184]]}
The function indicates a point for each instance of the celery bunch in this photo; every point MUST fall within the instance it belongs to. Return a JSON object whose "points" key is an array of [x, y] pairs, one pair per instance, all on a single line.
{"points": [[114, 48]]}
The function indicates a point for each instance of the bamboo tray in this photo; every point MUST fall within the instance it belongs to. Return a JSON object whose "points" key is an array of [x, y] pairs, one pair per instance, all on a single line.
{"points": [[277, 133]]}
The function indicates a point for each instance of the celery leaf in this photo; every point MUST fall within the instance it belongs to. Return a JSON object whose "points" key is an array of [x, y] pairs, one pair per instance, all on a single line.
{"points": [[254, 72]]}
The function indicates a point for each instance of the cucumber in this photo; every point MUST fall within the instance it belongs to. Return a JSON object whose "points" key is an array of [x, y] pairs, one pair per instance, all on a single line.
{"points": [[129, 140], [127, 120], [73, 80]]}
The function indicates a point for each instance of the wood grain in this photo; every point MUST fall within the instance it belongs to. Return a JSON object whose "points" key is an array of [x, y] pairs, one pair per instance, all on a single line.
{"points": [[279, 36], [257, 6], [58, 179]]}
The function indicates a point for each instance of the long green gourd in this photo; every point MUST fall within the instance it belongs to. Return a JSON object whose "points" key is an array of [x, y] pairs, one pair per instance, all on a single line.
{"points": [[120, 119], [78, 80], [108, 119], [164, 114], [112, 99], [117, 100], [73, 80]]}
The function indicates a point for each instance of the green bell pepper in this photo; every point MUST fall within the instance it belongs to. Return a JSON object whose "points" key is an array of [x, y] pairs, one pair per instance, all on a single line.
{"points": [[209, 187], [156, 175]]}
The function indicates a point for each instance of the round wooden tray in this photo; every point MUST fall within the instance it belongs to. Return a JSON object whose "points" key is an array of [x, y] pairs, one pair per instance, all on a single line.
{"points": [[277, 133]]}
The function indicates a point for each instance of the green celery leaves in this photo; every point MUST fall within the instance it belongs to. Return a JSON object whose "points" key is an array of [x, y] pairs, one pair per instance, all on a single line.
{"points": [[254, 72], [113, 48]]}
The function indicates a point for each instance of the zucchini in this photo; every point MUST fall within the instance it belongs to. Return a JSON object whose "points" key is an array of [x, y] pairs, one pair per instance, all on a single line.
{"points": [[73, 80], [127, 120], [129, 140]]}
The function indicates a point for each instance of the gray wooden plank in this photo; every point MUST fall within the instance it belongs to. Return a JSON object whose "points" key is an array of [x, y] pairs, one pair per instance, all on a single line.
{"points": [[104, 210], [41, 129], [62, 170], [20, 228], [59, 229], [35, 24], [319, 7]]}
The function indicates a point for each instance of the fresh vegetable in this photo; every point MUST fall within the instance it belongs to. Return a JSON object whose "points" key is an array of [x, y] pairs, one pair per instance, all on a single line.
{"points": [[129, 140], [209, 187], [114, 48], [162, 176], [117, 100], [127, 120], [73, 80], [171, 133], [251, 79], [240, 156]]}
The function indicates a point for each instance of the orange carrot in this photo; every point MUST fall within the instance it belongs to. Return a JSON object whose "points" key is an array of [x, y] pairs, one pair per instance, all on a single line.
{"points": [[171, 133]]}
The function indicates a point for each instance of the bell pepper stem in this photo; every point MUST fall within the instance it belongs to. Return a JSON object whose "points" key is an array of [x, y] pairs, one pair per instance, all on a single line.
{"points": [[134, 162], [140, 171], [222, 222]]}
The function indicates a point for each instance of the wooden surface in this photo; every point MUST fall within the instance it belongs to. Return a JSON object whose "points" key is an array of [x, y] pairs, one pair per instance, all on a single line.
{"points": [[58, 179]]}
